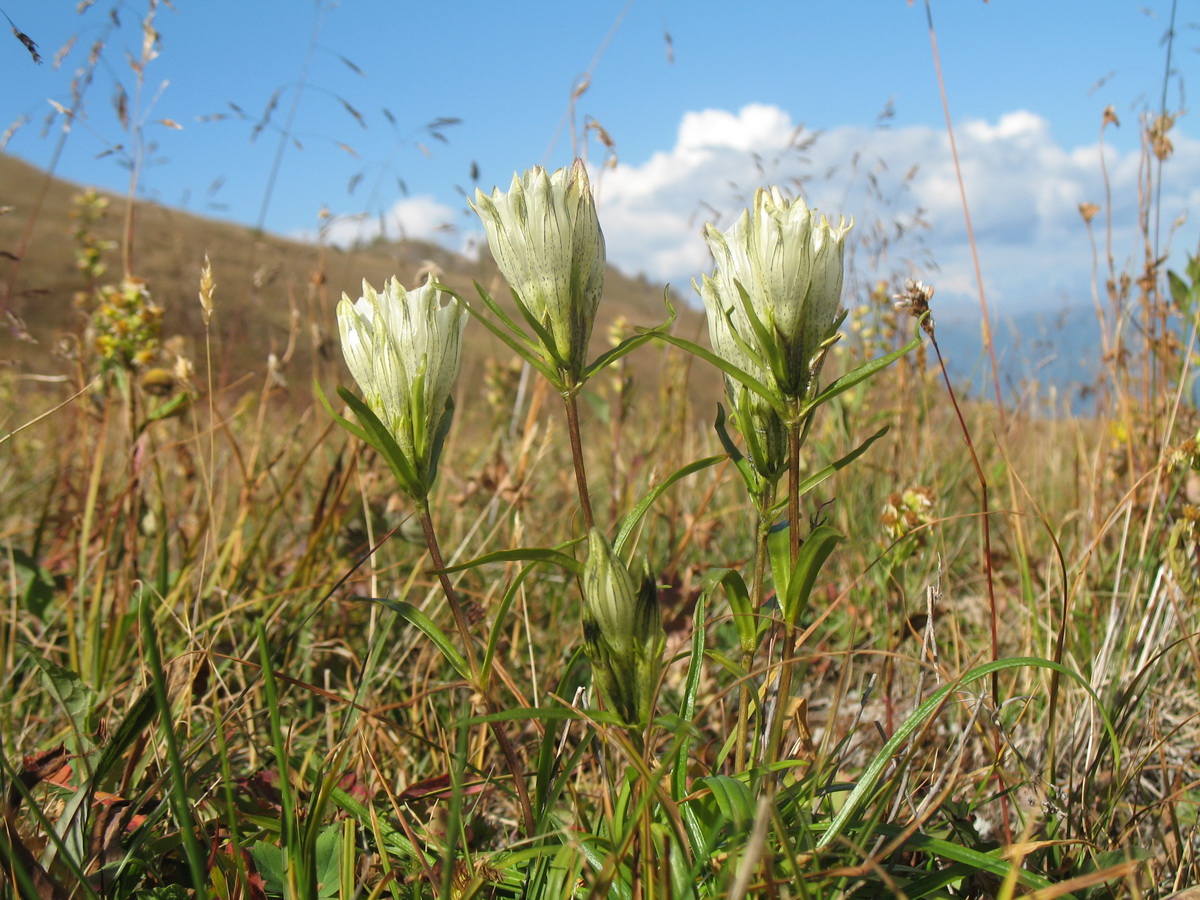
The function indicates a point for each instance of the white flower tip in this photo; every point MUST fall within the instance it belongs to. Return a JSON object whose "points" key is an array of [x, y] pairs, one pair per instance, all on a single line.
{"points": [[579, 176]]}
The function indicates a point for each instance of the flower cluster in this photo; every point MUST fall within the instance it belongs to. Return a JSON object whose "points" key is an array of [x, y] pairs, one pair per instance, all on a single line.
{"points": [[126, 324], [773, 304], [907, 511]]}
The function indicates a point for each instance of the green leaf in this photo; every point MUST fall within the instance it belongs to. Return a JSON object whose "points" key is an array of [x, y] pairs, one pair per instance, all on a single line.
{"points": [[632, 343], [439, 439], [861, 374], [631, 520], [683, 735], [378, 436], [36, 585], [728, 368], [414, 616], [745, 617], [337, 417], [137, 719], [813, 480], [734, 799], [779, 552], [166, 410], [739, 459], [270, 863], [514, 337], [76, 698], [767, 344], [392, 838], [542, 332], [813, 553], [601, 408], [1181, 292], [164, 892], [548, 785], [499, 623], [974, 861], [521, 554], [530, 713], [329, 860]]}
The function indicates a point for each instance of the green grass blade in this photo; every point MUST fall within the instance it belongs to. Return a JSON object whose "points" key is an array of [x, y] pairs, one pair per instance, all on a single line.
{"points": [[871, 776], [631, 520], [177, 773]]}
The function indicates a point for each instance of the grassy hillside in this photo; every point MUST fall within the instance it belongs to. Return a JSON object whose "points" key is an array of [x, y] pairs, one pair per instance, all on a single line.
{"points": [[261, 281]]}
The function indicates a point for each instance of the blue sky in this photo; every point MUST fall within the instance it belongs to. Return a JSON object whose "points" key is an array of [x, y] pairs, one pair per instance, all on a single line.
{"points": [[697, 119]]}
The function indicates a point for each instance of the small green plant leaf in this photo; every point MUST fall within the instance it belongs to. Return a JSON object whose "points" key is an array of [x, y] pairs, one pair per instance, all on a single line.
{"points": [[137, 719], [76, 698], [414, 616], [1180, 292], [733, 798], [861, 374], [632, 343], [328, 854], [754, 484], [378, 436], [728, 368], [631, 520], [745, 617], [969, 861], [816, 478], [513, 336], [36, 586], [521, 554], [337, 417], [874, 771], [392, 838], [271, 864], [813, 553], [685, 734]]}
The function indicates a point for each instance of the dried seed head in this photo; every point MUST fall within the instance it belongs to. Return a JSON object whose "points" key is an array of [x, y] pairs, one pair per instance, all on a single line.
{"points": [[914, 300], [207, 286]]}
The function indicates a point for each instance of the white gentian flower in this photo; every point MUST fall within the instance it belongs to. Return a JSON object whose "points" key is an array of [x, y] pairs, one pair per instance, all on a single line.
{"points": [[403, 349], [790, 267], [546, 239]]}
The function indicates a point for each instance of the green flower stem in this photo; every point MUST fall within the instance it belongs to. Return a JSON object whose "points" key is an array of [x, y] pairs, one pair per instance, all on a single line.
{"points": [[585, 500], [788, 645], [762, 532], [460, 619], [795, 439]]}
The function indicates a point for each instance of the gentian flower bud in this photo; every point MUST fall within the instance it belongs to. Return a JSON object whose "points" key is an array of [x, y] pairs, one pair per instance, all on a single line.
{"points": [[622, 632]]}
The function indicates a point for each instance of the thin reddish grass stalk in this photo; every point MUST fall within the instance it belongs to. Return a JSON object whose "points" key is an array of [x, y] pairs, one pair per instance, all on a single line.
{"points": [[987, 322], [987, 555]]}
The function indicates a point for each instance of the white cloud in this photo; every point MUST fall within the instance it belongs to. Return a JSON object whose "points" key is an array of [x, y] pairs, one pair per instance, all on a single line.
{"points": [[1024, 190], [1023, 187]]}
